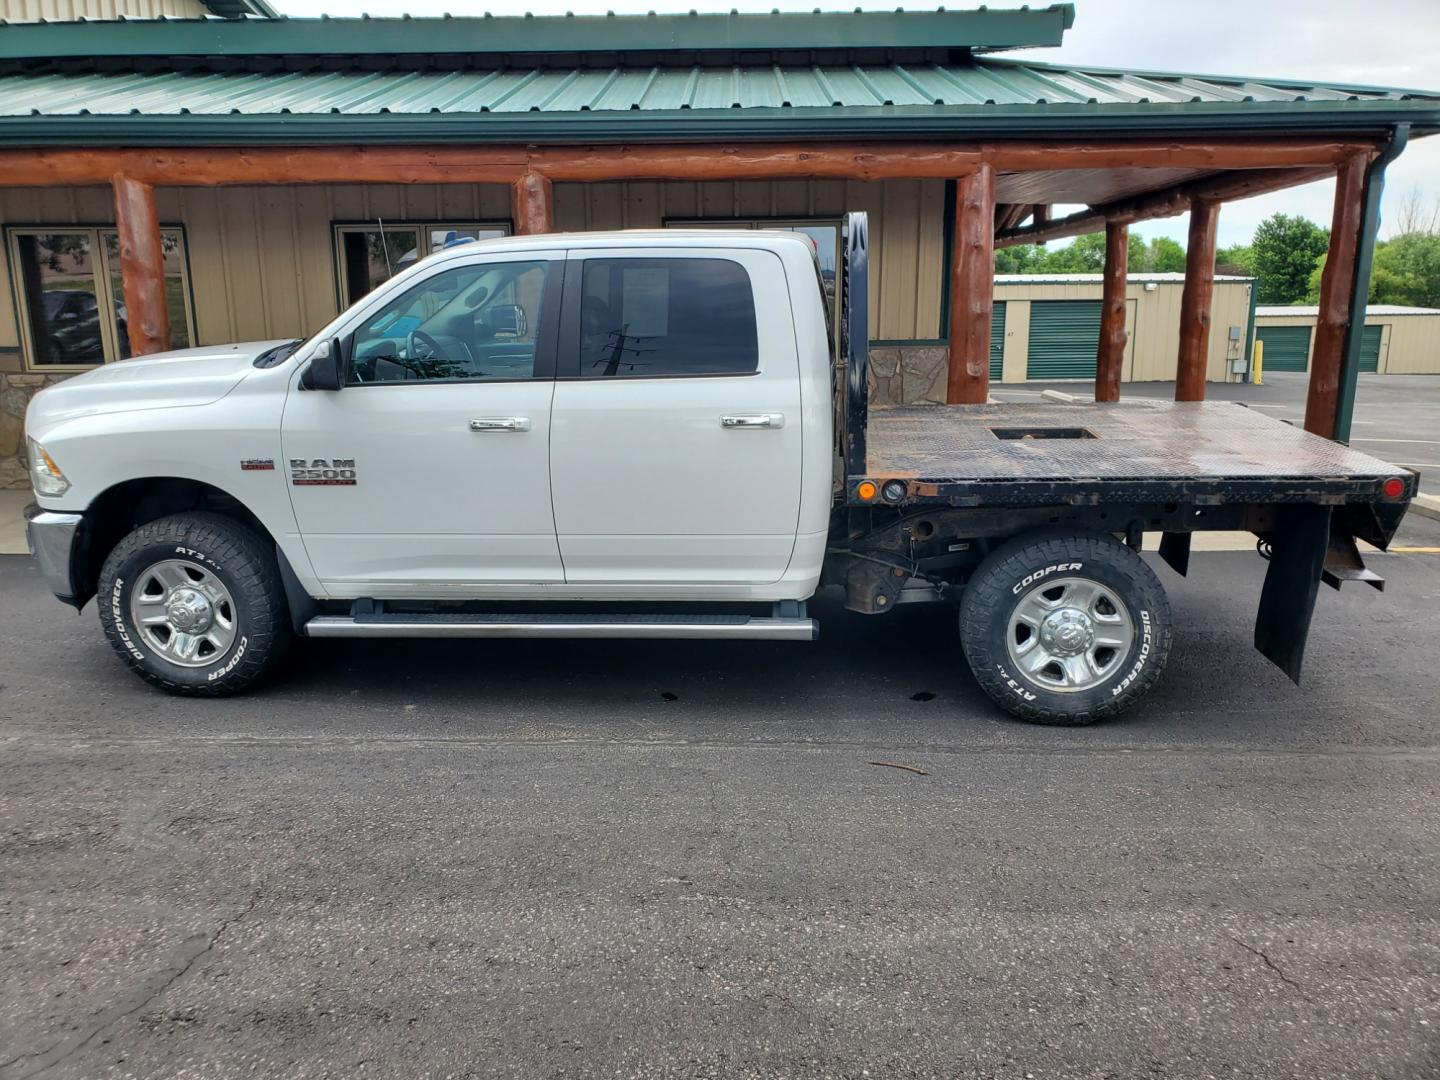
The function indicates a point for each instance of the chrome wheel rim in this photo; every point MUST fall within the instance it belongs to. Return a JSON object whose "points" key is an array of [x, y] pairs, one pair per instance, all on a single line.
{"points": [[1068, 635], [183, 612]]}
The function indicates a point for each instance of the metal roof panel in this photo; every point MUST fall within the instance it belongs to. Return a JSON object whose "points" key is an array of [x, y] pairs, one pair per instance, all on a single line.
{"points": [[979, 96]]}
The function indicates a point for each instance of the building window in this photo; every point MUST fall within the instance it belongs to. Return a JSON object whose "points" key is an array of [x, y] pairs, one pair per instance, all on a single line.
{"points": [[71, 298], [648, 317], [823, 233], [374, 252]]}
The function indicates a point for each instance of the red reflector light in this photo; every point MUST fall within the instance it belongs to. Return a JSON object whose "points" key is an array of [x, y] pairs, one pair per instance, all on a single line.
{"points": [[1393, 488]]}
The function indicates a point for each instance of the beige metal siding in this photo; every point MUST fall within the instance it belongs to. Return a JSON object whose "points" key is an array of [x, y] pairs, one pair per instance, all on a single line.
{"points": [[262, 262], [907, 219], [1409, 344], [71, 10], [1152, 319]]}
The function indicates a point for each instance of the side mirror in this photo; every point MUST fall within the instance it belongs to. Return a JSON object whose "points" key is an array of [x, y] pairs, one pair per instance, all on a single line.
{"points": [[326, 370]]}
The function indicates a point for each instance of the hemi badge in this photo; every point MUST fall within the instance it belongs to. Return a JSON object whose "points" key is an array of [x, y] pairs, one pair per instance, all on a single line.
{"points": [[257, 465]]}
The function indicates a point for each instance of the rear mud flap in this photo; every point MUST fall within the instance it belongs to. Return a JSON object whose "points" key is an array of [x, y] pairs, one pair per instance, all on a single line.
{"points": [[1299, 544], [1175, 550]]}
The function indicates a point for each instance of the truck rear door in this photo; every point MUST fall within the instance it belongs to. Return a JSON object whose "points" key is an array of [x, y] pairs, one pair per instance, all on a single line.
{"points": [[675, 445]]}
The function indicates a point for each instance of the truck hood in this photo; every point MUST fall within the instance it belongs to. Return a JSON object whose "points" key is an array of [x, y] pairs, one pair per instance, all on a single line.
{"points": [[159, 381]]}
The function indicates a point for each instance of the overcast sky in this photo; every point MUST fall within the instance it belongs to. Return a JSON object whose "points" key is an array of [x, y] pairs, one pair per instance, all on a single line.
{"points": [[1383, 42]]}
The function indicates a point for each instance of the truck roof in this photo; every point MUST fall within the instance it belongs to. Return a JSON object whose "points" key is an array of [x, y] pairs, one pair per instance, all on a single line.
{"points": [[766, 239]]}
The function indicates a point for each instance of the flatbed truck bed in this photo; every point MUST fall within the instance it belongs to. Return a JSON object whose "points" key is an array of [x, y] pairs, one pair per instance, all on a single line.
{"points": [[1048, 453]]}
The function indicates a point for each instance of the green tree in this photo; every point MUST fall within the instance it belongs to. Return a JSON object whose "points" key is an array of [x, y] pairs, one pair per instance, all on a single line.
{"points": [[1406, 271], [1020, 259], [1236, 259], [1083, 255], [1286, 248], [1166, 256]]}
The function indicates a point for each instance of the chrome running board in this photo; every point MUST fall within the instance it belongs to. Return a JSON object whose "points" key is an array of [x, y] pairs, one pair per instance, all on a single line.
{"points": [[695, 627]]}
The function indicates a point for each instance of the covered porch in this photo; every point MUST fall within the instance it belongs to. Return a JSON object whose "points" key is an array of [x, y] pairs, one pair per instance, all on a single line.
{"points": [[1002, 194]]}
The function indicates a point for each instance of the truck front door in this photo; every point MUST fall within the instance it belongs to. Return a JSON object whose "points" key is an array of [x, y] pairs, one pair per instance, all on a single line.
{"points": [[676, 430], [430, 469]]}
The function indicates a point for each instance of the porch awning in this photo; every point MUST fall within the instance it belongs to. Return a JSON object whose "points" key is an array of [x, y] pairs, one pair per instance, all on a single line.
{"points": [[987, 97], [607, 78]]}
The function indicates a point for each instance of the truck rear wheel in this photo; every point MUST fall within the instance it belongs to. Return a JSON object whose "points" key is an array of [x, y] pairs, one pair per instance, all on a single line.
{"points": [[1065, 628], [194, 604]]}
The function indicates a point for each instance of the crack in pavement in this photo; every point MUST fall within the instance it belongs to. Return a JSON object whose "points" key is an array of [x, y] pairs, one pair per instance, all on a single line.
{"points": [[1276, 968], [189, 953]]}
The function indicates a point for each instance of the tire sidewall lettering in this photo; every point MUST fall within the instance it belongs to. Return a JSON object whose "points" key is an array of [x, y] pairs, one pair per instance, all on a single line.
{"points": [[1040, 575], [198, 556], [1142, 655], [232, 663], [122, 632], [1013, 685]]}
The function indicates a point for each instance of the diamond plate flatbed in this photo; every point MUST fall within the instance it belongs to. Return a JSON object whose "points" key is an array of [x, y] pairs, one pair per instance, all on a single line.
{"points": [[1208, 453]]}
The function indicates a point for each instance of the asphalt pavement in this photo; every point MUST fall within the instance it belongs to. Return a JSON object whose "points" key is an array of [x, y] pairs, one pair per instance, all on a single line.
{"points": [[546, 859]]}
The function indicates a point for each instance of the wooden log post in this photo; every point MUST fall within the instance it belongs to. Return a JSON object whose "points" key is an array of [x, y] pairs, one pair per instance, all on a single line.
{"points": [[532, 204], [972, 287], [1110, 356], [1336, 281], [1195, 302], [142, 266]]}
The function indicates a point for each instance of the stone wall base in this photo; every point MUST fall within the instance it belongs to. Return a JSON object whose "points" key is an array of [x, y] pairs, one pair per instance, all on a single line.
{"points": [[16, 390], [908, 374]]}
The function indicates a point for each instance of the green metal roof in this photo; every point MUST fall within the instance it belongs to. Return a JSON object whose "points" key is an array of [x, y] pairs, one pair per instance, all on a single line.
{"points": [[613, 78], [979, 97], [791, 32]]}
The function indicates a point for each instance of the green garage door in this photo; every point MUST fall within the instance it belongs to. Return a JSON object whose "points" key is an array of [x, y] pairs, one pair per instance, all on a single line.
{"points": [[997, 340], [1064, 337], [1370, 348], [1286, 347]]}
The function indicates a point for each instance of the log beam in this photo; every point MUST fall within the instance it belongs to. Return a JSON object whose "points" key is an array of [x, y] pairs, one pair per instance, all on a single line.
{"points": [[1195, 302], [1010, 215], [1169, 202], [1110, 356], [532, 204], [1327, 357], [142, 266], [470, 164], [972, 286]]}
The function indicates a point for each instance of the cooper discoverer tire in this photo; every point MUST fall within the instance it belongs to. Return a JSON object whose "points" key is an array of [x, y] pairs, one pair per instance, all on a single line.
{"points": [[193, 603], [1065, 627]]}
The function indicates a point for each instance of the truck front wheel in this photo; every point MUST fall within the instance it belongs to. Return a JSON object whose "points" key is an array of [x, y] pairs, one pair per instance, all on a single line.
{"points": [[194, 604], [1065, 628]]}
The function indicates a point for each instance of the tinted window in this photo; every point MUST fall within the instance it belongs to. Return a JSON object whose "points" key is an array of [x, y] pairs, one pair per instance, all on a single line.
{"points": [[472, 322], [647, 317]]}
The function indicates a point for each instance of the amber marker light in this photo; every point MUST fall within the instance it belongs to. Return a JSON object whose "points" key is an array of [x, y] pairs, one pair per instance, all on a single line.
{"points": [[866, 489]]}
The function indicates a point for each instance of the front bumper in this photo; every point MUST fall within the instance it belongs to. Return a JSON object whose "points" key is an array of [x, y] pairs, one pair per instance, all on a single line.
{"points": [[51, 539]]}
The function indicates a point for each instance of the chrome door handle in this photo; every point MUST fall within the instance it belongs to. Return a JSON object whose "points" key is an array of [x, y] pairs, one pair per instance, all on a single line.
{"points": [[500, 423], [754, 420]]}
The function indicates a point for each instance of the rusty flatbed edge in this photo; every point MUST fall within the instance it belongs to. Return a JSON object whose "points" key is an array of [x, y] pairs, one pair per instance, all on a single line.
{"points": [[1211, 451]]}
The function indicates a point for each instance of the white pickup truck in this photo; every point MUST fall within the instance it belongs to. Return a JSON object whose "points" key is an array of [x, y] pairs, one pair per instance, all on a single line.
{"points": [[652, 434]]}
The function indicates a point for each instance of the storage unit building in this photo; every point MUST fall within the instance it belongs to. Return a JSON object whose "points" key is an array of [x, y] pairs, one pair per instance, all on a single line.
{"points": [[1051, 324], [1396, 340]]}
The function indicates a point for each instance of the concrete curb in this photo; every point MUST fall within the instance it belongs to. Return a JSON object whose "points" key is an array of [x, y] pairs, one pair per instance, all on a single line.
{"points": [[1427, 506]]}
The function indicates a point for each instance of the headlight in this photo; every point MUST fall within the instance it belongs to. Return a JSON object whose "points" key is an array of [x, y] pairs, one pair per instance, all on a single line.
{"points": [[45, 475]]}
